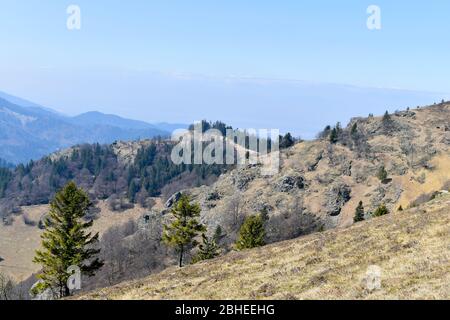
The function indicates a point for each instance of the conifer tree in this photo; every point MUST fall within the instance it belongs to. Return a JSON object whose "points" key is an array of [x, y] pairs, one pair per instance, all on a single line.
{"points": [[354, 130], [218, 234], [66, 241], [208, 249], [382, 173], [181, 233], [359, 213], [334, 136], [252, 233]]}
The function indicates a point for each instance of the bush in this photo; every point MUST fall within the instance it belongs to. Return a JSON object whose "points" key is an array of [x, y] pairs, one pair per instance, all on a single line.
{"points": [[381, 211]]}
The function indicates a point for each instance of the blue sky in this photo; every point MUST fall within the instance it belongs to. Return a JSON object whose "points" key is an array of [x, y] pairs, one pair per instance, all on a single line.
{"points": [[128, 51]]}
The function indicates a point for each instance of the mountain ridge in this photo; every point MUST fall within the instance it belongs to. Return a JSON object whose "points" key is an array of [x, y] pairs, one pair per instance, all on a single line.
{"points": [[29, 131]]}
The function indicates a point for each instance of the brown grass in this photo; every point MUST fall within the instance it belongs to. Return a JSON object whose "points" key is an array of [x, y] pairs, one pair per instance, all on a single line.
{"points": [[411, 248], [19, 242]]}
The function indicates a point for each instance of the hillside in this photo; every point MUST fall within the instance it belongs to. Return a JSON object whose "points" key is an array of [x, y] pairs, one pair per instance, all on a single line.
{"points": [[411, 248], [320, 183], [318, 187]]}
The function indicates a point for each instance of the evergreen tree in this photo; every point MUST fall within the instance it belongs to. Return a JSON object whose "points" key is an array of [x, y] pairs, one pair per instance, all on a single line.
{"points": [[381, 211], [386, 117], [400, 208], [325, 133], [354, 130], [382, 173], [252, 233], [181, 233], [65, 241], [132, 190], [208, 249], [359, 213], [286, 141], [218, 234], [334, 136]]}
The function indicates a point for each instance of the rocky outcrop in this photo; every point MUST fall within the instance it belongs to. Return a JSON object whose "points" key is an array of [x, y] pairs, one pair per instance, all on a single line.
{"points": [[173, 199], [336, 197], [288, 183]]}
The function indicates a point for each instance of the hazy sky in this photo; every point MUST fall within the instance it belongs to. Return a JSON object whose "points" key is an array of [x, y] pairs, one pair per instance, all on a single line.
{"points": [[181, 60]]}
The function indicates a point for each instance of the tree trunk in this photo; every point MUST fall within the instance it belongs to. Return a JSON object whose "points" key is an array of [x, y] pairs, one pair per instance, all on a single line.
{"points": [[181, 256]]}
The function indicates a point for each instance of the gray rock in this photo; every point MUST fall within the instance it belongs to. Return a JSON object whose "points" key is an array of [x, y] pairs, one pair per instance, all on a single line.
{"points": [[47, 294], [288, 183], [336, 197], [213, 196], [242, 178], [173, 199]]}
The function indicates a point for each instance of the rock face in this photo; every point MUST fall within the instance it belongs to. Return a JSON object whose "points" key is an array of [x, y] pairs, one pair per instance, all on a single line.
{"points": [[173, 199], [242, 177], [287, 183], [337, 196]]}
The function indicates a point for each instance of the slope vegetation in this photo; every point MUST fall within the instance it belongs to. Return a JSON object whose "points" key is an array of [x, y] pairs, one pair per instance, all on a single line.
{"points": [[411, 250]]}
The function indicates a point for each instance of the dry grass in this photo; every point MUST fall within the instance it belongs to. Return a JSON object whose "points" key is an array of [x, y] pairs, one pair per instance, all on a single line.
{"points": [[19, 242], [411, 248]]}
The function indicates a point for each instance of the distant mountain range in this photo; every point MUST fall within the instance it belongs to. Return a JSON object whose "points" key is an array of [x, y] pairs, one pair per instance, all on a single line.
{"points": [[29, 131]]}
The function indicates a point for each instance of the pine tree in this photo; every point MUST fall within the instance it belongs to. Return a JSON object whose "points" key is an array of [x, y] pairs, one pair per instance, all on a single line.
{"points": [[354, 130], [66, 242], [400, 208], [181, 233], [287, 141], [208, 249], [359, 213], [334, 136], [386, 117], [381, 211], [218, 234], [252, 233], [382, 173]]}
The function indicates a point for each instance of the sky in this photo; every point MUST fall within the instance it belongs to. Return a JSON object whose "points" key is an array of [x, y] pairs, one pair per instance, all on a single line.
{"points": [[185, 60]]}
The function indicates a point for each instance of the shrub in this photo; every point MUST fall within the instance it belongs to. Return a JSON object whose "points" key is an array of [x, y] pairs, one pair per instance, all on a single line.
{"points": [[381, 211]]}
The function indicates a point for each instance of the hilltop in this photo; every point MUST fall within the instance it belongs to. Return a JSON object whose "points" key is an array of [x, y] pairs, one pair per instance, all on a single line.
{"points": [[320, 183]]}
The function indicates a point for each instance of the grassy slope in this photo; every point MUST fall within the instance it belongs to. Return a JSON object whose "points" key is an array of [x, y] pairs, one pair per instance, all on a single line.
{"points": [[412, 249], [19, 242]]}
